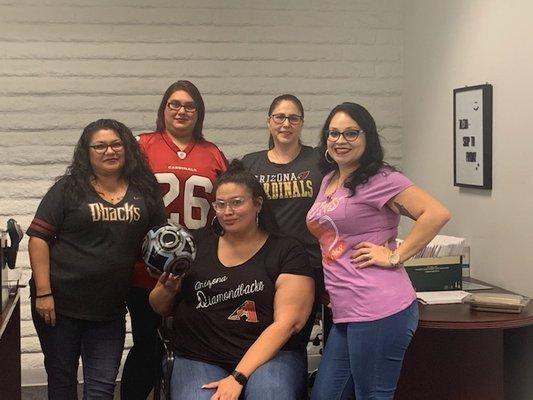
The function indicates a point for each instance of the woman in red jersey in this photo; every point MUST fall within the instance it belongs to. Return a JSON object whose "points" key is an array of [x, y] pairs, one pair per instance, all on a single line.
{"points": [[186, 166]]}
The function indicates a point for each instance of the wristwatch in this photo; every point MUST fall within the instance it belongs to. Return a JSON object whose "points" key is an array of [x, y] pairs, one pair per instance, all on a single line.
{"points": [[239, 377], [394, 258]]}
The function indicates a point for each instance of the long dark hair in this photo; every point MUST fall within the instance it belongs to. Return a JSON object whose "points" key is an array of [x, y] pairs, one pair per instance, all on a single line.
{"points": [[287, 97], [193, 91], [136, 171], [372, 158], [236, 173]]}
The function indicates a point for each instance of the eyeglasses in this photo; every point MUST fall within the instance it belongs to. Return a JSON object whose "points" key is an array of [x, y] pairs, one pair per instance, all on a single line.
{"points": [[175, 105], [101, 148], [293, 118], [234, 203], [350, 135]]}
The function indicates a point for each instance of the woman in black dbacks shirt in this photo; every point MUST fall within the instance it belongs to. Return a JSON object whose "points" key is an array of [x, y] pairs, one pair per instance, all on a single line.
{"points": [[84, 241]]}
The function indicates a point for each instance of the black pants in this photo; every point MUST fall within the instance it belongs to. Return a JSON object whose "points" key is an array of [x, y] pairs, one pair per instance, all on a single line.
{"points": [[143, 366]]}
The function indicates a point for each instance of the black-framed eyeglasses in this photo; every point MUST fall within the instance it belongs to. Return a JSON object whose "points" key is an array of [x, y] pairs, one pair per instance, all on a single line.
{"points": [[350, 135], [294, 119], [235, 203], [101, 148], [175, 105]]}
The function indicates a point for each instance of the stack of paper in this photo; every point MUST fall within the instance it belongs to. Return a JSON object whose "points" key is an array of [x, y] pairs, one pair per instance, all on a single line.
{"points": [[468, 286], [442, 297], [442, 246]]}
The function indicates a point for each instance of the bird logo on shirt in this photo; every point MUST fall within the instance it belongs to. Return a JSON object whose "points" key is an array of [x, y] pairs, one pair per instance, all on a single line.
{"points": [[327, 233], [245, 312]]}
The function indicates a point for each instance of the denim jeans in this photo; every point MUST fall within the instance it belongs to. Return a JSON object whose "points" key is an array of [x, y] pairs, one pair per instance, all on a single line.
{"points": [[100, 345], [142, 369], [365, 358], [281, 378]]}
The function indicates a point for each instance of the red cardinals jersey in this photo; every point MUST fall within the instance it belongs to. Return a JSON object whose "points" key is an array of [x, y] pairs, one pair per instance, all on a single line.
{"points": [[186, 178]]}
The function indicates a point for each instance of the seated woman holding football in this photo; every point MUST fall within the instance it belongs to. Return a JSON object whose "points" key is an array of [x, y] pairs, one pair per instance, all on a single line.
{"points": [[238, 310]]}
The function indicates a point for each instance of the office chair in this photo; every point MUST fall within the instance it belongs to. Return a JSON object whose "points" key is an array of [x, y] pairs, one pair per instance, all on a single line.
{"points": [[162, 389]]}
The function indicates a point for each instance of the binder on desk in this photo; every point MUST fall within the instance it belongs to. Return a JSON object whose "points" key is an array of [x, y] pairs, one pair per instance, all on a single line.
{"points": [[497, 302], [4, 292], [435, 273]]}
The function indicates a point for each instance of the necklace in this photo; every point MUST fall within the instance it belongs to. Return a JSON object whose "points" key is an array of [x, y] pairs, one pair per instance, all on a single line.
{"points": [[114, 196], [329, 197], [275, 157], [112, 199], [182, 143]]}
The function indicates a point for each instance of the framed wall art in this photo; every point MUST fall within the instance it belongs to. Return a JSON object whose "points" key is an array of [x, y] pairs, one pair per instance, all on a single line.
{"points": [[472, 136]]}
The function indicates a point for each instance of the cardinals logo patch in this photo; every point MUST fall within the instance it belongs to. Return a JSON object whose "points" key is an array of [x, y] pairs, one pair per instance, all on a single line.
{"points": [[245, 312], [303, 175]]}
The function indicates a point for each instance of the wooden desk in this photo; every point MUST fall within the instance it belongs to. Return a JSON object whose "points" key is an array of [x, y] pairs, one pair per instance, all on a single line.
{"points": [[10, 379], [461, 354]]}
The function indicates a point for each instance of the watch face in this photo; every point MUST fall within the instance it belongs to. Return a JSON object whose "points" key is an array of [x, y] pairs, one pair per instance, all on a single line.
{"points": [[394, 259]]}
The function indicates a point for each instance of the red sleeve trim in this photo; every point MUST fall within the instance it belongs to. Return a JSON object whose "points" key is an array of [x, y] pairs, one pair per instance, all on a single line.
{"points": [[43, 227]]}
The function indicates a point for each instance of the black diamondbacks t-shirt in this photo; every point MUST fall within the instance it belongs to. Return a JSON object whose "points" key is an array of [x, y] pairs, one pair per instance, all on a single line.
{"points": [[93, 247], [223, 310], [292, 189]]}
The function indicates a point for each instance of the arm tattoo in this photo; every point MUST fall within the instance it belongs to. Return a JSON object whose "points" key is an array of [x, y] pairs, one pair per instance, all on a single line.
{"points": [[404, 211]]}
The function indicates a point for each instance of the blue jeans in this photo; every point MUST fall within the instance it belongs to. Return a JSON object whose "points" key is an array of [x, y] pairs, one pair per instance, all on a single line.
{"points": [[100, 345], [281, 378], [365, 358]]}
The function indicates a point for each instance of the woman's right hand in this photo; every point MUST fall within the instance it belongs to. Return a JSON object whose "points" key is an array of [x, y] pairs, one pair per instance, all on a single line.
{"points": [[45, 307], [170, 282], [162, 297]]}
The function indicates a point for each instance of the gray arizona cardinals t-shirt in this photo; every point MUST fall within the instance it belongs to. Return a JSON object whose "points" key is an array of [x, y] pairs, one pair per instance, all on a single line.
{"points": [[292, 187]]}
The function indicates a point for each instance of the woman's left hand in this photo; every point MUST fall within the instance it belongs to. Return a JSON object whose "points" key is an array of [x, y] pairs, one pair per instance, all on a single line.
{"points": [[227, 389], [367, 254]]}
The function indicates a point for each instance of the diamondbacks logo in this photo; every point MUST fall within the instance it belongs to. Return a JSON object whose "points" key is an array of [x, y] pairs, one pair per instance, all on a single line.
{"points": [[245, 312]]}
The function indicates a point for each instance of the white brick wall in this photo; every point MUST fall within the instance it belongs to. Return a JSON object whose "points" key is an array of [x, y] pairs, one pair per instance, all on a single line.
{"points": [[65, 64]]}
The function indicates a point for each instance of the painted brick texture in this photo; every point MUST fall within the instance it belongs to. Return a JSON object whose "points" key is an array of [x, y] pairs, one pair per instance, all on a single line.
{"points": [[65, 64]]}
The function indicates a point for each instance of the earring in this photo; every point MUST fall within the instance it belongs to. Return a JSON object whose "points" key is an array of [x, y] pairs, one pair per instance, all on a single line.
{"points": [[326, 155], [257, 219], [216, 227]]}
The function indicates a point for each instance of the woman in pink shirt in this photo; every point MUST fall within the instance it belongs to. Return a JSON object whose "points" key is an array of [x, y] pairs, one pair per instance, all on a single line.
{"points": [[355, 217]]}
